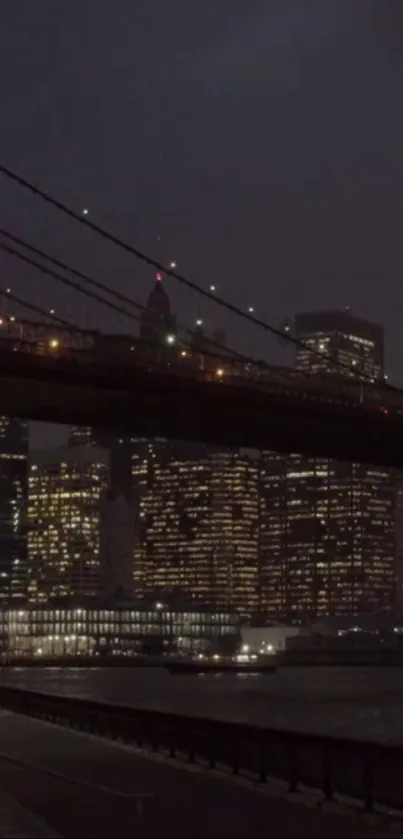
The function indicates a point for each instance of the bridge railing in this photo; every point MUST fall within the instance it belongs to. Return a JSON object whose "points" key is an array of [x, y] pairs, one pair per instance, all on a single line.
{"points": [[273, 380], [368, 773]]}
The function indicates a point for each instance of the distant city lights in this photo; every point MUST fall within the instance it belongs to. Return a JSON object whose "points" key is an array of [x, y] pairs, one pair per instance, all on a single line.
{"points": [[199, 322], [251, 310], [213, 288], [170, 339], [219, 373], [85, 211], [172, 264], [54, 343]]}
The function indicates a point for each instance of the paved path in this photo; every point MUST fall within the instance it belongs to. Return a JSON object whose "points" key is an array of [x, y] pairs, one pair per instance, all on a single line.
{"points": [[55, 782]]}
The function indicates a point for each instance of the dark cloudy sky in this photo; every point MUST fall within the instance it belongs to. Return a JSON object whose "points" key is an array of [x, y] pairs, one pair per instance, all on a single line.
{"points": [[258, 142]]}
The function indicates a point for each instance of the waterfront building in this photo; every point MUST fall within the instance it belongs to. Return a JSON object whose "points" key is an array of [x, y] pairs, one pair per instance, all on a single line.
{"points": [[66, 487], [327, 527]]}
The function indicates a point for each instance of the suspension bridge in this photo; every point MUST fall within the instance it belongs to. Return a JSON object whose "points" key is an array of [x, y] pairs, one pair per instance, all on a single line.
{"points": [[173, 381]]}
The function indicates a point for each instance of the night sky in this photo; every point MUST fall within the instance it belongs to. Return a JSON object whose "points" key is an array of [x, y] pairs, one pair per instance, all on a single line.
{"points": [[258, 143]]}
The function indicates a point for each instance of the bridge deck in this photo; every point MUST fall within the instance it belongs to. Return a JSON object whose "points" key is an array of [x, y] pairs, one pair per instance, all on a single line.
{"points": [[145, 405], [80, 786]]}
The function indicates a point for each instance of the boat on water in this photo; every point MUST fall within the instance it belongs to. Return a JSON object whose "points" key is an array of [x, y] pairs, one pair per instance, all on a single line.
{"points": [[198, 666]]}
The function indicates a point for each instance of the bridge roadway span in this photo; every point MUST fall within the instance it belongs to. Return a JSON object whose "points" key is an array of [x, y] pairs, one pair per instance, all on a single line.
{"points": [[59, 783], [182, 407]]}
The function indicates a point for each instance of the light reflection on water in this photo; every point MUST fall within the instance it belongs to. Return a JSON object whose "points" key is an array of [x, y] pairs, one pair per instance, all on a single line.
{"points": [[351, 701]]}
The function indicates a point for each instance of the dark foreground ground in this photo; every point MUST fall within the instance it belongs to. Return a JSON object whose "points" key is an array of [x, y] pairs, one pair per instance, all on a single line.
{"points": [[55, 782]]}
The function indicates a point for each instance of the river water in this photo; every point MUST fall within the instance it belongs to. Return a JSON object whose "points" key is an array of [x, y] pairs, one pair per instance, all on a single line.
{"points": [[363, 702]]}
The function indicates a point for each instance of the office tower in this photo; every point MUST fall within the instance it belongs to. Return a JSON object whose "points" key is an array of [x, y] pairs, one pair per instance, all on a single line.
{"points": [[13, 499], [157, 321], [119, 448], [116, 545], [399, 539], [327, 527], [65, 491], [196, 524], [339, 343], [81, 435], [157, 327]]}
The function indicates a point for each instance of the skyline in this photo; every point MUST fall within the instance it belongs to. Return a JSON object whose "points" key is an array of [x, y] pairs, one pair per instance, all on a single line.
{"points": [[50, 436], [288, 534], [292, 536], [230, 508]]}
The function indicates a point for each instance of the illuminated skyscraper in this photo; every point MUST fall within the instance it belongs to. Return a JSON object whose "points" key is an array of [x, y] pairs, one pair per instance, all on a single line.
{"points": [[327, 528], [339, 343], [195, 508], [66, 488], [13, 499], [157, 329], [197, 524]]}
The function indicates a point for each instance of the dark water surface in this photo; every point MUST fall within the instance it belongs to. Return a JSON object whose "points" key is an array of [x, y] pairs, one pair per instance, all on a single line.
{"points": [[365, 702]]}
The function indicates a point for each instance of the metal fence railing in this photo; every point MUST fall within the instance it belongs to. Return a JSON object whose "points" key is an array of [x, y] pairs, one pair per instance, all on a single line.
{"points": [[370, 773]]}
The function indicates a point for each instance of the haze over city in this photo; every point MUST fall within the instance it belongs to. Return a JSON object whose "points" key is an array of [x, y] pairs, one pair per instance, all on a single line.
{"points": [[201, 553]]}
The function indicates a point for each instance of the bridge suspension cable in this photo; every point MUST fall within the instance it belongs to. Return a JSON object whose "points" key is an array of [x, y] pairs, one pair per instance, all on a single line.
{"points": [[170, 271], [26, 304], [66, 281], [226, 351], [95, 296]]}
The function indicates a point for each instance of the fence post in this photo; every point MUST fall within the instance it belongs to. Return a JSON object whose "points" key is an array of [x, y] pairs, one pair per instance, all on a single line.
{"points": [[234, 753], [368, 780], [327, 773], [212, 751], [293, 765], [154, 740], [262, 762]]}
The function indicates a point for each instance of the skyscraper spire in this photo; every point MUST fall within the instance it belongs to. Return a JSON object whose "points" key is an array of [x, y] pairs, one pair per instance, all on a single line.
{"points": [[157, 320]]}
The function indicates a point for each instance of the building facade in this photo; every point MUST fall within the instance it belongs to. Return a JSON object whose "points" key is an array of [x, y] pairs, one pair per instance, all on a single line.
{"points": [[337, 342], [116, 545], [195, 508], [197, 512], [65, 492], [158, 324], [327, 528], [13, 508], [110, 629]]}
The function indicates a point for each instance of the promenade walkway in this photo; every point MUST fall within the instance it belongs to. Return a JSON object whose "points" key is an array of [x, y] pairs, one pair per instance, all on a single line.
{"points": [[59, 783]]}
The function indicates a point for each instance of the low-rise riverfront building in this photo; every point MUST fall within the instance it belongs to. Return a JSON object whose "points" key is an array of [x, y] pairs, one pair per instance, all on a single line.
{"points": [[102, 629]]}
